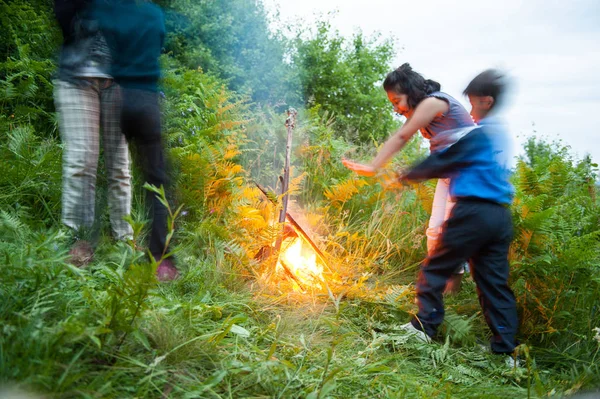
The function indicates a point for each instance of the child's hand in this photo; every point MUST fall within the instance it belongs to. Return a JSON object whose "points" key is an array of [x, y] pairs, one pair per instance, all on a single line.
{"points": [[359, 168], [392, 180]]}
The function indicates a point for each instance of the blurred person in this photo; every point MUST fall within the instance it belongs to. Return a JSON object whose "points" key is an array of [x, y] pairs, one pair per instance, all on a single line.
{"points": [[479, 228], [431, 112], [87, 101], [135, 31]]}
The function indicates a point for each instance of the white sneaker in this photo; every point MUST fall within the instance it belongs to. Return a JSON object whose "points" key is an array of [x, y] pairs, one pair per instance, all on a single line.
{"points": [[512, 362], [410, 330]]}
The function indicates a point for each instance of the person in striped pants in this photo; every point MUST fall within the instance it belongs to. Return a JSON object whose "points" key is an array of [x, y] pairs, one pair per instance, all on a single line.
{"points": [[87, 100]]}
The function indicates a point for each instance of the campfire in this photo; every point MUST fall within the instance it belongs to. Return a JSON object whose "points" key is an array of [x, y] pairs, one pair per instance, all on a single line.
{"points": [[298, 257], [300, 260]]}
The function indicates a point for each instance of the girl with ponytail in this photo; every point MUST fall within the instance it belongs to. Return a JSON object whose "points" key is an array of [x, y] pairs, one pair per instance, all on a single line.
{"points": [[431, 112]]}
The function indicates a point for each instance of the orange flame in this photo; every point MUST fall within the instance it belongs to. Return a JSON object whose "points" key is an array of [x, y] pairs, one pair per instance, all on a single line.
{"points": [[301, 261]]}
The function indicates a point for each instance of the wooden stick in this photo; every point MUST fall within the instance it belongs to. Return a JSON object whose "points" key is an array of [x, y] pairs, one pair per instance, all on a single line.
{"points": [[291, 275], [290, 123], [298, 229]]}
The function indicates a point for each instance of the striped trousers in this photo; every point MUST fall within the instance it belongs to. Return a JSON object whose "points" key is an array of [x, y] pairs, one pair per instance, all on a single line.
{"points": [[89, 114]]}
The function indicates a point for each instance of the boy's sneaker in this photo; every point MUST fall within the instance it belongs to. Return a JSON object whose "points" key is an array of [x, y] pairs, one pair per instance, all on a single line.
{"points": [[166, 271], [412, 331], [512, 362]]}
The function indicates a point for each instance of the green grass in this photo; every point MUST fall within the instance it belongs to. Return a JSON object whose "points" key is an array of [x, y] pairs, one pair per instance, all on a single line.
{"points": [[72, 333]]}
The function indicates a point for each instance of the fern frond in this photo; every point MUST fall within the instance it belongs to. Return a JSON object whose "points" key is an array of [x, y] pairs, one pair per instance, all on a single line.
{"points": [[342, 192]]}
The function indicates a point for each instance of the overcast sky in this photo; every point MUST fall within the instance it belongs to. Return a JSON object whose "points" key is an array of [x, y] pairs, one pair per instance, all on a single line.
{"points": [[550, 48]]}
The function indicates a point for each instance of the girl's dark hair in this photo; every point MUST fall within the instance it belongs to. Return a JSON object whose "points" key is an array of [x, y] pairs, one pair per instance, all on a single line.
{"points": [[490, 82], [406, 81]]}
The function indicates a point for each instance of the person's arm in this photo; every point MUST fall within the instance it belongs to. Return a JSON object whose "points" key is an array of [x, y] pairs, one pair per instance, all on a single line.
{"points": [[445, 163], [423, 115]]}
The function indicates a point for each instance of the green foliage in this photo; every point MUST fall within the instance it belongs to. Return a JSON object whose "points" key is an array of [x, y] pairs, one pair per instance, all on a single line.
{"points": [[30, 167], [60, 322], [30, 174], [556, 251], [232, 40], [205, 128], [343, 77], [28, 41]]}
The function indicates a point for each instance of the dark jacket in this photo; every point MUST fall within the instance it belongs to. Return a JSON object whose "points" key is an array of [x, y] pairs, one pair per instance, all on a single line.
{"points": [[84, 52], [135, 32]]}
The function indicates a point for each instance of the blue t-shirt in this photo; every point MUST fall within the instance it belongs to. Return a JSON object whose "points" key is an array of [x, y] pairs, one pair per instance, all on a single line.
{"points": [[485, 173], [478, 164]]}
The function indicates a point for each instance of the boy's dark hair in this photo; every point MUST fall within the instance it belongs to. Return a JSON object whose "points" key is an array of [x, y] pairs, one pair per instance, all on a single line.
{"points": [[490, 82], [406, 81]]}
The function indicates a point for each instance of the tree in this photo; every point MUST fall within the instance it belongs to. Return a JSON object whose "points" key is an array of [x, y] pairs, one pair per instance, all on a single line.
{"points": [[343, 77], [232, 40]]}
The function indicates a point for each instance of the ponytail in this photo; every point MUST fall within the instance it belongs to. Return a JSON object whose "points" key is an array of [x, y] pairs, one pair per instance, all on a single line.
{"points": [[431, 86]]}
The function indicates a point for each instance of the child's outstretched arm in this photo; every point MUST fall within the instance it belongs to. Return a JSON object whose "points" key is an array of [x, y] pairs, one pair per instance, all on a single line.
{"points": [[445, 163], [423, 115]]}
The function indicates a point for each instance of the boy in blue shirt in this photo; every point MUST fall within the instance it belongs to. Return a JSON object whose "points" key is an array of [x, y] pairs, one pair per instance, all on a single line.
{"points": [[479, 229]]}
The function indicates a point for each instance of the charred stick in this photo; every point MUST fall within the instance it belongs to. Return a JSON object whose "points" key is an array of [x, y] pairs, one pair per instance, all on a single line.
{"points": [[288, 271], [297, 228]]}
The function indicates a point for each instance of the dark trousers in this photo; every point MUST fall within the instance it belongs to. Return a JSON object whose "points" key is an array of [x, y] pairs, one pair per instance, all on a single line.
{"points": [[480, 232], [140, 122]]}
